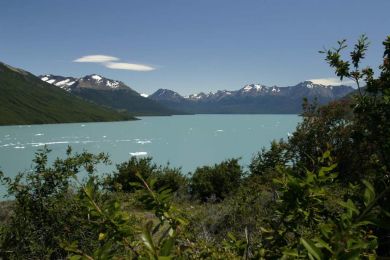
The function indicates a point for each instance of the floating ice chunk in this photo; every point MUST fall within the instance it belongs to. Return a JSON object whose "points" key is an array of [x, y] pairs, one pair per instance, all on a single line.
{"points": [[6, 145], [48, 143], [144, 142], [19, 147], [138, 153], [40, 134], [219, 130], [82, 125]]}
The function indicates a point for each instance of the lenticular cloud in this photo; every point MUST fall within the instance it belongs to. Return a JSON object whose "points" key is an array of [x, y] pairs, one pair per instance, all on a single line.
{"points": [[109, 62], [96, 58], [128, 66]]}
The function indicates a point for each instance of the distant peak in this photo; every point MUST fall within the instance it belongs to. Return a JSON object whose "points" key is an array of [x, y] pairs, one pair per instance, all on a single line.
{"points": [[165, 94], [254, 88], [309, 84], [96, 77]]}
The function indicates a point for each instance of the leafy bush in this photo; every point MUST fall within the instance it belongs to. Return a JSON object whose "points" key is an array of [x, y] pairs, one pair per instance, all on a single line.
{"points": [[267, 160], [171, 178], [46, 210], [127, 173], [216, 181]]}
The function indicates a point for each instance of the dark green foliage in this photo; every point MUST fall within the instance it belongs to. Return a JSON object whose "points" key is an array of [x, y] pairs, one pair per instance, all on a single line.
{"points": [[371, 133], [216, 182], [126, 175], [25, 99], [127, 172], [46, 211], [267, 160], [115, 228], [171, 178]]}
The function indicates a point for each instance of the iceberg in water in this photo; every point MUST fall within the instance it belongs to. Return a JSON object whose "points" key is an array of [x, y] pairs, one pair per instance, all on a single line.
{"points": [[138, 154]]}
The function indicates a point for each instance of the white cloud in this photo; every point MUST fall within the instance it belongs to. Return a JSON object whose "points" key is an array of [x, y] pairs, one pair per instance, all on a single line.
{"points": [[96, 58], [128, 66], [110, 62], [332, 81]]}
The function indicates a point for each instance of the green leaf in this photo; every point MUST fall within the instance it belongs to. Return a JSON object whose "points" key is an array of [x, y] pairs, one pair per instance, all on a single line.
{"points": [[291, 252], [167, 247], [349, 205], [369, 193], [322, 243], [312, 249], [326, 229], [147, 237]]}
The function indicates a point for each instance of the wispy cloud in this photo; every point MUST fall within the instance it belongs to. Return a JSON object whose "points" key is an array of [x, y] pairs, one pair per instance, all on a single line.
{"points": [[96, 58], [332, 81], [128, 66], [110, 62]]}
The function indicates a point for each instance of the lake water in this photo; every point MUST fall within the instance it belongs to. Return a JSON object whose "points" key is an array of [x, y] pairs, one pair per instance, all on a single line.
{"points": [[184, 141]]}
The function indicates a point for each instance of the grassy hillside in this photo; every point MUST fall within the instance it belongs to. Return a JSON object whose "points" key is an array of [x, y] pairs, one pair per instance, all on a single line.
{"points": [[25, 99]]}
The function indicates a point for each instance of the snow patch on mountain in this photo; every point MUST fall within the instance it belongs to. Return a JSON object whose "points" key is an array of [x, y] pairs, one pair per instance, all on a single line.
{"points": [[93, 81], [96, 77]]}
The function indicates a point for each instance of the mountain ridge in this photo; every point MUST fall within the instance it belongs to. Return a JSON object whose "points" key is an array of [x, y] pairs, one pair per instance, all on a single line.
{"points": [[25, 99], [252, 98], [110, 93]]}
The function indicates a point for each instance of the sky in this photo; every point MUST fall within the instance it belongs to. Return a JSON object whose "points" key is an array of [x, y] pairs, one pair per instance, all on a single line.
{"points": [[187, 46]]}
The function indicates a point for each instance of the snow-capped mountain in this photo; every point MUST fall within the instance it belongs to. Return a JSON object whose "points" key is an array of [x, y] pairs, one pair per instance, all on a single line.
{"points": [[93, 81], [303, 89], [108, 92], [252, 98]]}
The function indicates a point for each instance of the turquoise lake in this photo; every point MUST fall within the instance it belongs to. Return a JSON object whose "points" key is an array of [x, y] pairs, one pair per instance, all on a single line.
{"points": [[183, 141]]}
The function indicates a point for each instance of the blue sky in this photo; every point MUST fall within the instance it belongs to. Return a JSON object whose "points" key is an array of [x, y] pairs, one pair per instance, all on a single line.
{"points": [[187, 46]]}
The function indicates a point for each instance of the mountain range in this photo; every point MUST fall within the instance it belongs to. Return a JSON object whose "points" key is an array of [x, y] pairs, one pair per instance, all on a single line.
{"points": [[108, 92], [26, 99], [252, 99]]}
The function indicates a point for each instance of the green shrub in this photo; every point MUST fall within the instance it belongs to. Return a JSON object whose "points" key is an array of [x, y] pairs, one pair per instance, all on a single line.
{"points": [[172, 178], [127, 172], [46, 209], [216, 181], [267, 160]]}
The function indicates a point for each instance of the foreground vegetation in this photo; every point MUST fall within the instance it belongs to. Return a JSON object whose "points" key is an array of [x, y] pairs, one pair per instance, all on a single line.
{"points": [[322, 194]]}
